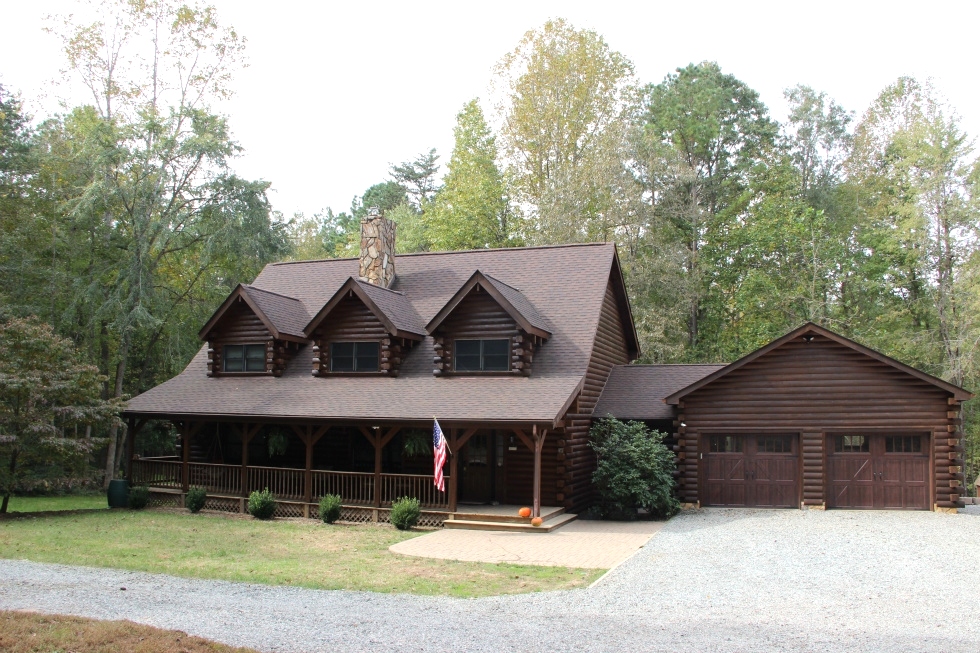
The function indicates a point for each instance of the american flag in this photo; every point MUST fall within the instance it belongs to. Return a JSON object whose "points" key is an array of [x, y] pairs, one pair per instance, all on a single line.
{"points": [[439, 451]]}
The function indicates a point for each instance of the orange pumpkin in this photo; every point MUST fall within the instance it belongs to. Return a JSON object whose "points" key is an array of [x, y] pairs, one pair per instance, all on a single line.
{"points": [[537, 521], [524, 512]]}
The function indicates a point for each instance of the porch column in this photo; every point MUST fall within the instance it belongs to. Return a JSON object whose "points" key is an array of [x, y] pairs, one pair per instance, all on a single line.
{"points": [[185, 454], [539, 437], [377, 467], [308, 477], [453, 476]]}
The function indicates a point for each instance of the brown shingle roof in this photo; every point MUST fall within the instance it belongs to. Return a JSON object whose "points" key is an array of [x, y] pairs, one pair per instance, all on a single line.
{"points": [[638, 391], [392, 308], [287, 314], [509, 298], [565, 285]]}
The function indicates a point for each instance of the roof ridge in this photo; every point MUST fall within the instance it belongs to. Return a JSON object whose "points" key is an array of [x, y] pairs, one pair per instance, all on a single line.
{"points": [[674, 365], [500, 281], [456, 251], [368, 283], [271, 292]]}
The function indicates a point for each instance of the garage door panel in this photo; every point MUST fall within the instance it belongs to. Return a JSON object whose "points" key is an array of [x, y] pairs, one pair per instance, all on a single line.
{"points": [[751, 471], [878, 471]]}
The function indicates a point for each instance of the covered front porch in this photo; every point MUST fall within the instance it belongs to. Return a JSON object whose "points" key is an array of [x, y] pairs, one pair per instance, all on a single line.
{"points": [[368, 465]]}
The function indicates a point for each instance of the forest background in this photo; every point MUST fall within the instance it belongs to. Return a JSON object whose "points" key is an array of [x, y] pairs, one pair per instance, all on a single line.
{"points": [[123, 223]]}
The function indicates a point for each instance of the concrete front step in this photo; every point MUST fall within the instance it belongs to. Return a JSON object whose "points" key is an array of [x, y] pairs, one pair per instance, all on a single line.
{"points": [[504, 518], [524, 526]]}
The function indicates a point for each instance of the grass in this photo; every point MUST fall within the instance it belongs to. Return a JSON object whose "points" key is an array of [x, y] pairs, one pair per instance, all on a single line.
{"points": [[305, 554], [66, 502], [29, 632]]}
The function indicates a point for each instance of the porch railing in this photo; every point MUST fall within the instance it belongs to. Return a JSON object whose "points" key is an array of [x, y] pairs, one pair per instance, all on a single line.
{"points": [[158, 473], [216, 479], [353, 487], [283, 482], [419, 486]]}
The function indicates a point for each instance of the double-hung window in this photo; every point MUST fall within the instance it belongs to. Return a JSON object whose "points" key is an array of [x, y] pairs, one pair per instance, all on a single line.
{"points": [[482, 355], [244, 358], [354, 357]]}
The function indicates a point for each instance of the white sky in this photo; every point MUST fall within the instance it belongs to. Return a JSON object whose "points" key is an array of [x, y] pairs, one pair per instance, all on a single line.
{"points": [[337, 91]]}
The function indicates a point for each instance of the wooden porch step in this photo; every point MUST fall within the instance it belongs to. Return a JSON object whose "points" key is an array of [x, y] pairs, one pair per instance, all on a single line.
{"points": [[523, 527]]}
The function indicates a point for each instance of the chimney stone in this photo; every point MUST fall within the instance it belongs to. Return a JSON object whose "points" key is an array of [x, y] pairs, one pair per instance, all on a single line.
{"points": [[377, 264]]}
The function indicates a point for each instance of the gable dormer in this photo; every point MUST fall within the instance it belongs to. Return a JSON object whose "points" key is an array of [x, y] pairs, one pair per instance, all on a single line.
{"points": [[363, 329], [254, 332], [487, 327]]}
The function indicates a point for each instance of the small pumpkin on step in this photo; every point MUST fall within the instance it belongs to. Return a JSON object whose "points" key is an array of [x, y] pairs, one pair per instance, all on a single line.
{"points": [[537, 521], [524, 512]]}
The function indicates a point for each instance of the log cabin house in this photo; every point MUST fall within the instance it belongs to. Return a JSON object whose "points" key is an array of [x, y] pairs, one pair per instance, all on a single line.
{"points": [[325, 376]]}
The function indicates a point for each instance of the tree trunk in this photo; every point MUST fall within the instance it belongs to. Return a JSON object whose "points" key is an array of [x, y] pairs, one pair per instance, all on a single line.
{"points": [[110, 458], [13, 466]]}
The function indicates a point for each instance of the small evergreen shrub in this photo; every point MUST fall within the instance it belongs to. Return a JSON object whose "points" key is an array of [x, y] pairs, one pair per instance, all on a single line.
{"points": [[195, 499], [139, 496], [405, 513], [262, 505], [634, 470], [330, 508]]}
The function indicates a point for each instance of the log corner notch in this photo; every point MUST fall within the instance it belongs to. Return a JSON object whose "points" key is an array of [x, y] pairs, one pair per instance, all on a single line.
{"points": [[535, 442], [948, 454]]}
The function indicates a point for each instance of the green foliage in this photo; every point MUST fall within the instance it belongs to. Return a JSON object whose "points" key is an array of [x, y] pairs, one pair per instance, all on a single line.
{"points": [[471, 209], [418, 178], [139, 496], [634, 470], [195, 499], [417, 443], [277, 443], [46, 395], [262, 505], [405, 513], [330, 505]]}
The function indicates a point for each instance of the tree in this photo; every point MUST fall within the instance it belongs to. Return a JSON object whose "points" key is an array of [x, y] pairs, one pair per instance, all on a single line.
{"points": [[418, 178], [565, 95], [46, 393], [471, 209], [711, 128], [162, 188]]}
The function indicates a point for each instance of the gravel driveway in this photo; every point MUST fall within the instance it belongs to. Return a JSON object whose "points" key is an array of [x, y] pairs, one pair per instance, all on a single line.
{"points": [[713, 580]]}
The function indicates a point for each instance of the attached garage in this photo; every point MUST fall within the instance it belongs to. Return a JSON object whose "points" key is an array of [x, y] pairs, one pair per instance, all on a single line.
{"points": [[810, 420]]}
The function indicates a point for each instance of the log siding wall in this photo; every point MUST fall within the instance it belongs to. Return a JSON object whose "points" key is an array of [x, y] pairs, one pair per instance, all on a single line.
{"points": [[813, 389], [576, 460]]}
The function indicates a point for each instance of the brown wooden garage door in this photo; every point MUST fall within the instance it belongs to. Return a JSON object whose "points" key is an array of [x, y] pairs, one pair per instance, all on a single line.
{"points": [[751, 470], [878, 471]]}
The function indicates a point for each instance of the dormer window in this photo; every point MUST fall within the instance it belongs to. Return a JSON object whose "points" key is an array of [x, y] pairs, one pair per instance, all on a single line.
{"points": [[482, 355], [244, 358], [354, 356]]}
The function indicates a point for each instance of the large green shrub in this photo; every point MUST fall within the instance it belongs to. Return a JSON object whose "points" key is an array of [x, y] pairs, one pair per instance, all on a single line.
{"points": [[195, 499], [139, 496], [262, 505], [330, 508], [405, 513], [635, 470]]}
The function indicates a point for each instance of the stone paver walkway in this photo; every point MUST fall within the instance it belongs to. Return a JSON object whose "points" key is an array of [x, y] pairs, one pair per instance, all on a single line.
{"points": [[592, 544]]}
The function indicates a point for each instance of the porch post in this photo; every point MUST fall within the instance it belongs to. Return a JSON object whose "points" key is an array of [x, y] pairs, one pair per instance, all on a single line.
{"points": [[185, 453], [538, 447], [377, 467], [245, 441], [308, 476], [130, 447], [453, 476]]}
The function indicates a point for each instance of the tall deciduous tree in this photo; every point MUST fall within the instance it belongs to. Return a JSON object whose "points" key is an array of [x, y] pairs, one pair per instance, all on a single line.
{"points": [[718, 128], [46, 393], [471, 209], [564, 97], [418, 178]]}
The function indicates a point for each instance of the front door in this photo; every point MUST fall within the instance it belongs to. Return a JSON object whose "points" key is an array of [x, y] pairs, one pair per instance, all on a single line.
{"points": [[878, 471], [476, 470], [751, 470]]}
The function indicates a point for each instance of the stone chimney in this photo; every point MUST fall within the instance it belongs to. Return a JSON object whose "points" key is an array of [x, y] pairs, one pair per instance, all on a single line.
{"points": [[377, 249]]}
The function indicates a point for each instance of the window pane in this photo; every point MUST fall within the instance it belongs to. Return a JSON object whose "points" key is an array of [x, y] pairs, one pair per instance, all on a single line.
{"points": [[467, 356], [850, 444], [366, 356], [496, 355], [342, 357], [255, 358], [726, 443], [233, 358]]}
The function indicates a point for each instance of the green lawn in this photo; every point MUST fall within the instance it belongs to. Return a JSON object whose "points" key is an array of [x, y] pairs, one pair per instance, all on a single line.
{"points": [[308, 554], [67, 502]]}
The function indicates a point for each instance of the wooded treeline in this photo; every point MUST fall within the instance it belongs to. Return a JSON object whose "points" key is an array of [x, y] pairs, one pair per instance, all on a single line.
{"points": [[124, 225]]}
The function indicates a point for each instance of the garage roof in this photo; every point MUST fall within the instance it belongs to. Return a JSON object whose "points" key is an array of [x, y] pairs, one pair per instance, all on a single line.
{"points": [[638, 391]]}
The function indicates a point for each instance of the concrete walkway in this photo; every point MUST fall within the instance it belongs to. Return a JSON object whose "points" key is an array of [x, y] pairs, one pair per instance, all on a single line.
{"points": [[592, 544]]}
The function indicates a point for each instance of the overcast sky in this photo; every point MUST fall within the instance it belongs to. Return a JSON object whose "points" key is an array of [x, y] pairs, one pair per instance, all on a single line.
{"points": [[337, 91]]}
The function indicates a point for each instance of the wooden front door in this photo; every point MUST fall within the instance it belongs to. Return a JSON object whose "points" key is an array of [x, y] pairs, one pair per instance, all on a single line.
{"points": [[878, 471], [477, 470], [742, 470]]}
